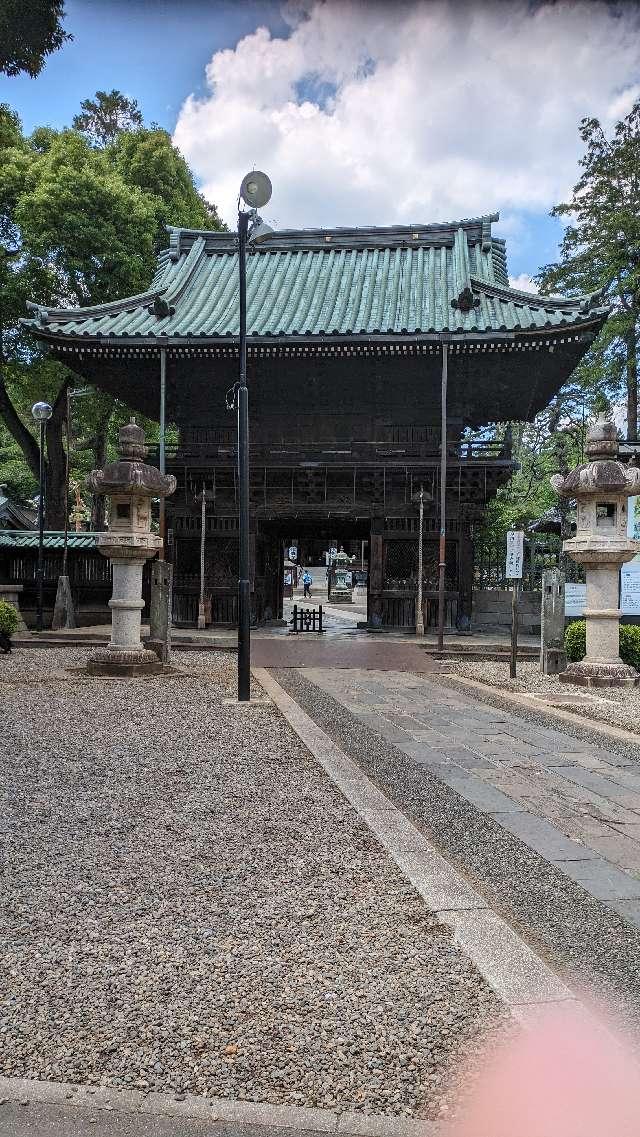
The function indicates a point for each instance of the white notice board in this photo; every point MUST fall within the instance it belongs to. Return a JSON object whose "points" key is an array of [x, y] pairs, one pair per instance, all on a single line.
{"points": [[515, 554], [575, 599], [630, 589]]}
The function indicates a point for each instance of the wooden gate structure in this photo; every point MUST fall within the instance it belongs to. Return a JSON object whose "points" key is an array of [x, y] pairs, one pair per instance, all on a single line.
{"points": [[346, 329]]}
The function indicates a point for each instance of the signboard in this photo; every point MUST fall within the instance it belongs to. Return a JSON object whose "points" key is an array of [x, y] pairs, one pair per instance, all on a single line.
{"points": [[293, 553], [630, 589], [575, 599], [515, 554], [633, 518]]}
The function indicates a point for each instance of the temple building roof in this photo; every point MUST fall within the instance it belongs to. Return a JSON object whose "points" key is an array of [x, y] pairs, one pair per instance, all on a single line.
{"points": [[347, 284]]}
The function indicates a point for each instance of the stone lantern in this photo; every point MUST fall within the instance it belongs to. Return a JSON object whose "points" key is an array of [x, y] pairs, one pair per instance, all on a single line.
{"points": [[341, 579], [130, 484], [601, 487]]}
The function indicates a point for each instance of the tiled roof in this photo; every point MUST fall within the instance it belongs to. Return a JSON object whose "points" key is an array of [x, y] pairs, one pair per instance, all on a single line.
{"points": [[407, 280], [53, 539]]}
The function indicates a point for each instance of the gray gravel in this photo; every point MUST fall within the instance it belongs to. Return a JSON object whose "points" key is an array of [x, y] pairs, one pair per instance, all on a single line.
{"points": [[588, 944], [616, 706], [190, 905]]}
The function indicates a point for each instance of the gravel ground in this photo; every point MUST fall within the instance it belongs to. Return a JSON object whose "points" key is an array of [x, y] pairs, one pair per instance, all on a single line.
{"points": [[614, 705], [190, 905], [588, 944]]}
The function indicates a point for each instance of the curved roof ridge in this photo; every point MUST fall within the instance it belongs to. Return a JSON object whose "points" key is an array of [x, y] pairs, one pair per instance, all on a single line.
{"points": [[583, 303]]}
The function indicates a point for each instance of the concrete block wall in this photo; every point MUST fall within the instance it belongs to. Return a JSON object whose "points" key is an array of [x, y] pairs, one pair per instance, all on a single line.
{"points": [[491, 608]]}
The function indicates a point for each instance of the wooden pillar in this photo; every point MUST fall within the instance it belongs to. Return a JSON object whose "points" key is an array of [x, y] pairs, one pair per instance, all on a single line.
{"points": [[465, 571], [376, 571]]}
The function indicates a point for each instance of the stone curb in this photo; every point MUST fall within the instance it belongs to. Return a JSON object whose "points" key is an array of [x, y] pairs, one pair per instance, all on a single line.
{"points": [[520, 978], [533, 702], [30, 1091]]}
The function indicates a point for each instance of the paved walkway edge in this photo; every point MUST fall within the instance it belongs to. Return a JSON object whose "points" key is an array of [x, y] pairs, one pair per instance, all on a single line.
{"points": [[532, 702], [216, 1110], [518, 975]]}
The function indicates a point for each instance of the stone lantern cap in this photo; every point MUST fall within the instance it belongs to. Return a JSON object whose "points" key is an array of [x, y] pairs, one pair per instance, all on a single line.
{"points": [[603, 474], [130, 474]]}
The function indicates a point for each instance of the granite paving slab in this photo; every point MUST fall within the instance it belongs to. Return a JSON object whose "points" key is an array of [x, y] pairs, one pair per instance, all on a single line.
{"points": [[564, 799]]}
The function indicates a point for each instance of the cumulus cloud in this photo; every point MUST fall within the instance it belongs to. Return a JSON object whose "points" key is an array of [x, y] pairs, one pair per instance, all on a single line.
{"points": [[523, 282], [415, 110]]}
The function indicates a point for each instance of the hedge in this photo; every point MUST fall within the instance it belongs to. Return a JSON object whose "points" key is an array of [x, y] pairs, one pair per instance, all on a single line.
{"points": [[575, 642], [8, 618]]}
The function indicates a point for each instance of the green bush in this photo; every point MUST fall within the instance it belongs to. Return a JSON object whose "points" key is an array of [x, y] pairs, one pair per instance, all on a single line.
{"points": [[575, 642], [8, 618]]}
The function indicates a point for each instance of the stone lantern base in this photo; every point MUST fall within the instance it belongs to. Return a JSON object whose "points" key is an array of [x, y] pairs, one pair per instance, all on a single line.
{"points": [[600, 673], [127, 664]]}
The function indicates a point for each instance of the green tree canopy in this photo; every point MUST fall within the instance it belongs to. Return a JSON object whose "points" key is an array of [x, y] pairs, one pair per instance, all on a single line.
{"points": [[79, 224], [29, 31], [600, 250], [108, 115]]}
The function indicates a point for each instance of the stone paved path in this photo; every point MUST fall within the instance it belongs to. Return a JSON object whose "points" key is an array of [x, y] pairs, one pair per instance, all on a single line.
{"points": [[576, 804], [361, 651]]}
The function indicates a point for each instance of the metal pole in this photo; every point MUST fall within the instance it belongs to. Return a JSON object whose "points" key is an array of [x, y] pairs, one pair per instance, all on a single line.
{"points": [[66, 486], [419, 613], [443, 498], [244, 597], [514, 629], [163, 396], [202, 623], [40, 570]]}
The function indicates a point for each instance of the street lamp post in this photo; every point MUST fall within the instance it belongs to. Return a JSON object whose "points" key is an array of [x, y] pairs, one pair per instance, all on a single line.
{"points": [[419, 609], [41, 413], [255, 191]]}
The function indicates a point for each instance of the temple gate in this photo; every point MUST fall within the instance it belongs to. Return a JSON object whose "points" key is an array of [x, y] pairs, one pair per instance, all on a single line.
{"points": [[346, 329]]}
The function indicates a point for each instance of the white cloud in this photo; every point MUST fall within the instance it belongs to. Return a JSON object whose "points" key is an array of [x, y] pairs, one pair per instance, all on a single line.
{"points": [[432, 109], [523, 282]]}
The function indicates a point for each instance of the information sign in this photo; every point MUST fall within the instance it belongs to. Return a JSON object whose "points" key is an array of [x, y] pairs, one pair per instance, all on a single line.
{"points": [[630, 589], [515, 554], [575, 599]]}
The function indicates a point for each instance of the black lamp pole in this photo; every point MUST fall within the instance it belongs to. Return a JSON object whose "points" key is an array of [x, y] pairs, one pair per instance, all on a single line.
{"points": [[244, 594], [41, 413], [40, 571]]}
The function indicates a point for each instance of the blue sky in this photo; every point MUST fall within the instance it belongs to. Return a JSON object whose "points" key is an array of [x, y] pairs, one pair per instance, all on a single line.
{"points": [[153, 50], [362, 113]]}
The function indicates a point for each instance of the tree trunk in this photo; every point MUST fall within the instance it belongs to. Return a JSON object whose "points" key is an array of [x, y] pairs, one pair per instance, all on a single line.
{"points": [[19, 431], [56, 503], [98, 503], [632, 384]]}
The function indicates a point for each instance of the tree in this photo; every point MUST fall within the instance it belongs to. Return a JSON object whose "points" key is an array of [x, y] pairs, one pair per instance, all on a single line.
{"points": [[78, 225], [107, 116], [600, 250], [29, 31]]}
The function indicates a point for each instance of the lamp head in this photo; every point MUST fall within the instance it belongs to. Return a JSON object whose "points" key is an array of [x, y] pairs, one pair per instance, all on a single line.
{"points": [[260, 231], [255, 189], [41, 412]]}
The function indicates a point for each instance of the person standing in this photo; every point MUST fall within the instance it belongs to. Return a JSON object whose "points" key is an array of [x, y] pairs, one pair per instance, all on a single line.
{"points": [[307, 581]]}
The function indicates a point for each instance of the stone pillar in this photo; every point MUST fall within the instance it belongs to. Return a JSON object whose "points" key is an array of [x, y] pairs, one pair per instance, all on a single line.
{"points": [[126, 605], [602, 613], [160, 615], [64, 615], [553, 657]]}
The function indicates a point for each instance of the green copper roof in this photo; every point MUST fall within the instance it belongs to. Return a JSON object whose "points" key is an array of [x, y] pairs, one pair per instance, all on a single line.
{"points": [[53, 539], [407, 280]]}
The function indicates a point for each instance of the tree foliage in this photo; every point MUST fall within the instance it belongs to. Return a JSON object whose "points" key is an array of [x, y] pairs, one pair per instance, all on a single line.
{"points": [[30, 30], [600, 250], [104, 118], [79, 224]]}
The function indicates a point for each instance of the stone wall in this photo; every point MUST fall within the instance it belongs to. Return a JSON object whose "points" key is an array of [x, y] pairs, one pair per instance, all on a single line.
{"points": [[492, 609]]}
